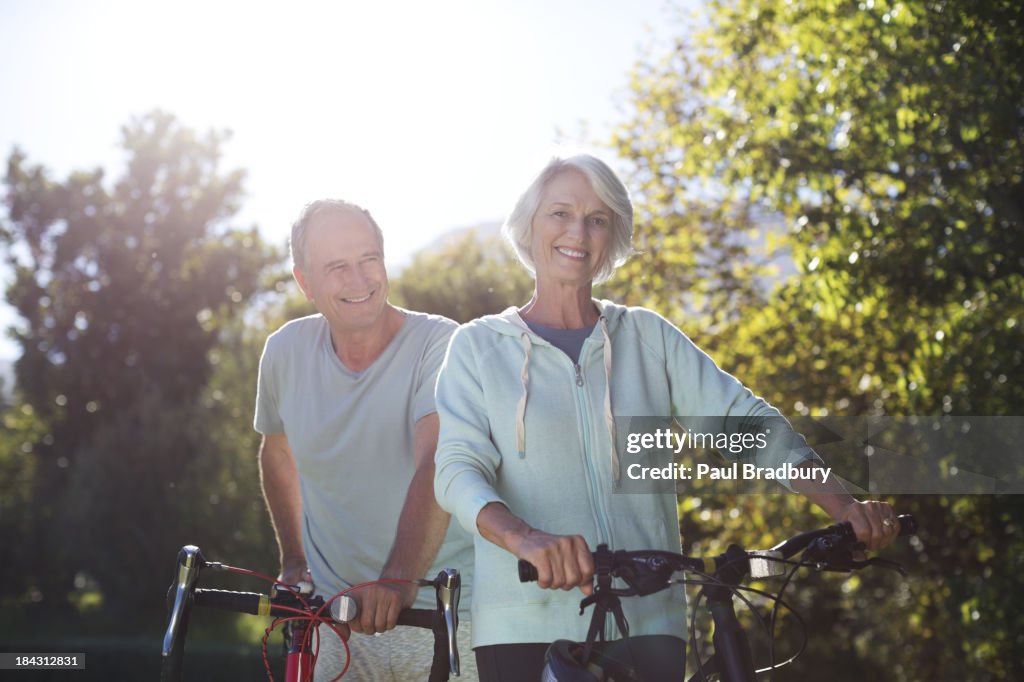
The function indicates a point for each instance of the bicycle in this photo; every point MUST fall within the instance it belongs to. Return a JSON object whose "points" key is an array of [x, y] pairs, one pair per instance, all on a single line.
{"points": [[647, 572], [301, 611]]}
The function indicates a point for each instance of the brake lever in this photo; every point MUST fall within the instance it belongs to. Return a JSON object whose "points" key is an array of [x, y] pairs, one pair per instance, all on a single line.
{"points": [[830, 553], [840, 559], [449, 588], [189, 563]]}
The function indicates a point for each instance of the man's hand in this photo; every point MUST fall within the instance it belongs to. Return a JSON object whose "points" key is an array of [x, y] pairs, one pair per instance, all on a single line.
{"points": [[295, 571], [379, 606], [421, 528]]}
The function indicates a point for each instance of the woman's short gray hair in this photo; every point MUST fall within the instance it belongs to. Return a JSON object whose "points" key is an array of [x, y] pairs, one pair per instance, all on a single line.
{"points": [[297, 243], [518, 227]]}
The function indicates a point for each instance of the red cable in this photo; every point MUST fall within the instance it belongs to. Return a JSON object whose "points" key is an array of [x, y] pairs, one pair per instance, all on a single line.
{"points": [[314, 618], [330, 621]]}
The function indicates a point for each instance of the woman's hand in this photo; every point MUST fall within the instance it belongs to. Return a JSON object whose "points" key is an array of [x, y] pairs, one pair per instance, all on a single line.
{"points": [[562, 561], [873, 521]]}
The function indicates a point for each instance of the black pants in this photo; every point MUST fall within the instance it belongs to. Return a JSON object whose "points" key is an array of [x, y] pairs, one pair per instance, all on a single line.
{"points": [[654, 657]]}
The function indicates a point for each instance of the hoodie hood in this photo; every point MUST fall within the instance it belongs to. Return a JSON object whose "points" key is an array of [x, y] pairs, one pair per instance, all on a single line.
{"points": [[510, 323]]}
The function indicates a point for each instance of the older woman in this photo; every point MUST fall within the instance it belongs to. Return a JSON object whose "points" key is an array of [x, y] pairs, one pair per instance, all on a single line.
{"points": [[528, 455]]}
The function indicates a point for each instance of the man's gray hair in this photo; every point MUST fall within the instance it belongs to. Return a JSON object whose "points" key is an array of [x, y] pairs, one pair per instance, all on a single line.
{"points": [[518, 227], [297, 243]]}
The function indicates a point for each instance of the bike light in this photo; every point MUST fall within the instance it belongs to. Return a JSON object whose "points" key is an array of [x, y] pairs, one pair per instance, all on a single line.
{"points": [[766, 564]]}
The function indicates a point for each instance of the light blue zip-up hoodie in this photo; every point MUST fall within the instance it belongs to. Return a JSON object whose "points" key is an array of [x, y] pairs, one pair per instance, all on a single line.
{"points": [[522, 425]]}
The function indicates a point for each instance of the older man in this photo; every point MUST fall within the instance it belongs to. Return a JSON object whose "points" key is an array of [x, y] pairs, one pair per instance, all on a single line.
{"points": [[345, 404]]}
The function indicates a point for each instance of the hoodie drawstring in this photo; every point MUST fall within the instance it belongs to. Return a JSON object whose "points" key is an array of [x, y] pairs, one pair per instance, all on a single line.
{"points": [[609, 420], [524, 378]]}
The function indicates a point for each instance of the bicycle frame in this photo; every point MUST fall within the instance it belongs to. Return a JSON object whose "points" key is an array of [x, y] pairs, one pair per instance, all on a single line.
{"points": [[299, 659], [732, 657], [732, 649]]}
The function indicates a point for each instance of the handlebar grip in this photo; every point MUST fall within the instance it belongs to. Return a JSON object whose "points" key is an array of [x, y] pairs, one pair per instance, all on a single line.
{"points": [[344, 609], [908, 524], [418, 618], [431, 620], [527, 572], [237, 602]]}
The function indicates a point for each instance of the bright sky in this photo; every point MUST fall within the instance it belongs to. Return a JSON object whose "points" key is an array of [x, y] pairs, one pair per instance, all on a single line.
{"points": [[431, 114]]}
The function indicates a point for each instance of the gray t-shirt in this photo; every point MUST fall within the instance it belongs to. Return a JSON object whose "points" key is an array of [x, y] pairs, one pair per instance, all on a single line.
{"points": [[569, 341], [352, 437]]}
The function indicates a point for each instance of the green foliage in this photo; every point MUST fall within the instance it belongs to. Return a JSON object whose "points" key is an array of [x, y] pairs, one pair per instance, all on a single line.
{"points": [[887, 141], [125, 290], [465, 278], [231, 521], [21, 430], [836, 120]]}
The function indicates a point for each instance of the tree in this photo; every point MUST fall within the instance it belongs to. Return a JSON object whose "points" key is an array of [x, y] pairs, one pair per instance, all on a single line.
{"points": [[838, 121], [20, 430], [887, 139], [124, 290], [468, 277]]}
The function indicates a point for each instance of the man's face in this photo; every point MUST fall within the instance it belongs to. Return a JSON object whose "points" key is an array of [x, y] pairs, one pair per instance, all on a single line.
{"points": [[344, 275]]}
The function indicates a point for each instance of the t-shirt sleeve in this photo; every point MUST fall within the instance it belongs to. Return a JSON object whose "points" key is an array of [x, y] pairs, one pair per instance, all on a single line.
{"points": [[268, 416], [433, 356]]}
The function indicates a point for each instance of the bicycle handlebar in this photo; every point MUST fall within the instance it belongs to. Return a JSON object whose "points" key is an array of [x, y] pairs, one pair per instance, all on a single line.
{"points": [[646, 572], [635, 566], [239, 602], [906, 522], [448, 588], [183, 594], [257, 604]]}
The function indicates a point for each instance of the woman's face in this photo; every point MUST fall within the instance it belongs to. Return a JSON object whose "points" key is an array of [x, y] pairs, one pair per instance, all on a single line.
{"points": [[570, 231]]}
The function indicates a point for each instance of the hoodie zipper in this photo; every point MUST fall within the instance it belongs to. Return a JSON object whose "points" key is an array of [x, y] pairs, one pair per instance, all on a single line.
{"points": [[603, 526], [601, 517]]}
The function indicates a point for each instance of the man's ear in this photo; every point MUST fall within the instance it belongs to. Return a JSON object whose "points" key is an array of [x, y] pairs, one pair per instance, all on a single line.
{"points": [[300, 279]]}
